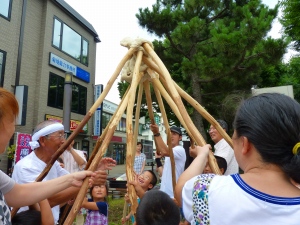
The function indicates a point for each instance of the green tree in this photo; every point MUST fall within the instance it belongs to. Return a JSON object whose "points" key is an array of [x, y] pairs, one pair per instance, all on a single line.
{"points": [[291, 21], [213, 48]]}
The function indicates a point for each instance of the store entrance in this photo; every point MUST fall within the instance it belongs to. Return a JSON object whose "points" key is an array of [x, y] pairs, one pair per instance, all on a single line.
{"points": [[119, 153]]}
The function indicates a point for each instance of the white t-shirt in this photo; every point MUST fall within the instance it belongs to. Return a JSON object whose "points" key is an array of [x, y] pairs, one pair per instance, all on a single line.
{"points": [[29, 168], [223, 149], [166, 180], [70, 164], [212, 199]]}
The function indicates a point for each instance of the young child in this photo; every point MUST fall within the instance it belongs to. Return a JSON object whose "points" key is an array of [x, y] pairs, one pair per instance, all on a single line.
{"points": [[221, 163], [157, 208], [38, 214], [143, 183], [97, 206]]}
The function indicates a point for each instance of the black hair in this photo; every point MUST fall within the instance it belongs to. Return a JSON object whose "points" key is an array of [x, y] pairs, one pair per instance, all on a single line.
{"points": [[154, 178], [221, 162], [140, 143], [28, 217], [60, 160], [271, 122], [157, 208], [223, 124]]}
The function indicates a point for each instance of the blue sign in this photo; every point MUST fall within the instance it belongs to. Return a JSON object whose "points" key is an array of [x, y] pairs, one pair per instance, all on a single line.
{"points": [[83, 75], [66, 66]]}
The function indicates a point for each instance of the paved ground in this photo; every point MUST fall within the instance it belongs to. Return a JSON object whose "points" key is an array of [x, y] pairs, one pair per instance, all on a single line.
{"points": [[120, 169]]}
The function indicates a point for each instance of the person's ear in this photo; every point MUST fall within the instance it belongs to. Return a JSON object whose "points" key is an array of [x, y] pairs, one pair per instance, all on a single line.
{"points": [[150, 186], [42, 140], [246, 145], [222, 171]]}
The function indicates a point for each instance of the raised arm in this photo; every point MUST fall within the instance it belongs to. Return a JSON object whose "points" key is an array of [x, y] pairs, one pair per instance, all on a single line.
{"points": [[196, 168], [161, 147], [80, 160]]}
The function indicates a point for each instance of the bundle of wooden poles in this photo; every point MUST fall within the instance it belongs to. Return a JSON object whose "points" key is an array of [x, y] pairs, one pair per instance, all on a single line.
{"points": [[141, 67]]}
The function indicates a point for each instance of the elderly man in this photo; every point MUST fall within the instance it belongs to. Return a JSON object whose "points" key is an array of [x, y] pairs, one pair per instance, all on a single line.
{"points": [[223, 149], [47, 137], [179, 157]]}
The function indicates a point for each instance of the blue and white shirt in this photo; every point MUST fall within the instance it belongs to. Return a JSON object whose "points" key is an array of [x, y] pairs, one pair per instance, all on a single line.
{"points": [[212, 199]]}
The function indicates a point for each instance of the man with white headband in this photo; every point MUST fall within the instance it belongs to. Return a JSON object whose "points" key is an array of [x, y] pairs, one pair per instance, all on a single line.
{"points": [[47, 137]]}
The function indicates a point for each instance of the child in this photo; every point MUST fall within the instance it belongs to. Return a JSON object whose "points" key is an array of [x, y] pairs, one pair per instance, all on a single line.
{"points": [[97, 206], [157, 208], [143, 183], [221, 163], [38, 214]]}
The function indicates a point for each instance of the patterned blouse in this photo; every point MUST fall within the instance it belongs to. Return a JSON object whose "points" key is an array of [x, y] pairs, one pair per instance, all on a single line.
{"points": [[138, 163], [99, 217]]}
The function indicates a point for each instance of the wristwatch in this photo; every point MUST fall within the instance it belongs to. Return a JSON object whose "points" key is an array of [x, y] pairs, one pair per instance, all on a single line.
{"points": [[156, 135]]}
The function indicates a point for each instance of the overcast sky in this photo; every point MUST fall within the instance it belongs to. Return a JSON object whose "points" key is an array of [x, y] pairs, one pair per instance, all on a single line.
{"points": [[114, 20]]}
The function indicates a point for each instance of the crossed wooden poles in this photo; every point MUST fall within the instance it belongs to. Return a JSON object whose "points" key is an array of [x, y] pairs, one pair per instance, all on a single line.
{"points": [[143, 68]]}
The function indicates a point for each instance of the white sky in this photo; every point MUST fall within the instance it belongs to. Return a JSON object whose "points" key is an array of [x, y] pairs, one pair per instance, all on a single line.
{"points": [[114, 20]]}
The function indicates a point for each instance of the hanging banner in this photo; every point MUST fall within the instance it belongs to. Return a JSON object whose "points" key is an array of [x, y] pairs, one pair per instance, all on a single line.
{"points": [[22, 146]]}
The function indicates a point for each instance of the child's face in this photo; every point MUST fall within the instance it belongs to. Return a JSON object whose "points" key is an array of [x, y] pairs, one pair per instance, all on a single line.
{"points": [[207, 169], [99, 192], [144, 180]]}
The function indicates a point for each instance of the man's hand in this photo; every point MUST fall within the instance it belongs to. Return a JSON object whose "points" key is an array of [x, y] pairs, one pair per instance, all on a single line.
{"points": [[78, 177], [98, 178], [154, 128], [107, 164]]}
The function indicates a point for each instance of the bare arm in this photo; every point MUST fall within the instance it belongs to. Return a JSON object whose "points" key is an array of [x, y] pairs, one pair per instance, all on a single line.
{"points": [[23, 194], [196, 168], [78, 159], [46, 213], [161, 147], [143, 166], [89, 205]]}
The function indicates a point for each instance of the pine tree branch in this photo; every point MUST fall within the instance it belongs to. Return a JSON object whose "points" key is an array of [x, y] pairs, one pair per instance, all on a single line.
{"points": [[234, 69], [176, 46]]}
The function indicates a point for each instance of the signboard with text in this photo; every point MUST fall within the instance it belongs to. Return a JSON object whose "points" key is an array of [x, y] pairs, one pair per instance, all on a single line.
{"points": [[22, 146], [73, 123]]}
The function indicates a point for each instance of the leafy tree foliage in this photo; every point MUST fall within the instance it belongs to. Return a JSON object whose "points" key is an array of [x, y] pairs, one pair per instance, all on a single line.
{"points": [[291, 21], [213, 48]]}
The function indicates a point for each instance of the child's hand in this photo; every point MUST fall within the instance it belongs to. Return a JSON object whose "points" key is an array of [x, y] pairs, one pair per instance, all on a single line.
{"points": [[138, 189], [126, 198], [124, 220]]}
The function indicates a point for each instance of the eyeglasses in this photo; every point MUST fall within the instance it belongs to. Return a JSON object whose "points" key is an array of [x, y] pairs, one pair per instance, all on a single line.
{"points": [[60, 136], [211, 129], [144, 176]]}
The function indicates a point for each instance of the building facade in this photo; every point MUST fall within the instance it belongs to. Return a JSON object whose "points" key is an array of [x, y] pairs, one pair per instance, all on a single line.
{"points": [[41, 40]]}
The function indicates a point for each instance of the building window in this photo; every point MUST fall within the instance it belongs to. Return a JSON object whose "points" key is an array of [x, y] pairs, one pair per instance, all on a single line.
{"points": [[56, 94], [70, 42], [56, 91], [79, 96], [5, 9], [106, 117], [2, 66]]}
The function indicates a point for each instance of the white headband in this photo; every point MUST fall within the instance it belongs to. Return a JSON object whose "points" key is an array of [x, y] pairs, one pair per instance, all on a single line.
{"points": [[43, 132]]}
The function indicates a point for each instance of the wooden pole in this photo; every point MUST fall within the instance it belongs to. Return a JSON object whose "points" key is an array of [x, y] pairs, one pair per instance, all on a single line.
{"points": [[95, 162], [190, 100], [177, 99], [129, 127], [169, 141]]}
